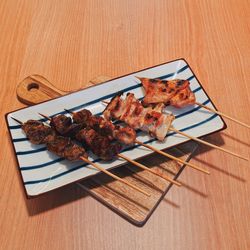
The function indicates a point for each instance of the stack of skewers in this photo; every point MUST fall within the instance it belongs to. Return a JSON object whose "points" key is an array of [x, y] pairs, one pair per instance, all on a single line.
{"points": [[71, 138]]}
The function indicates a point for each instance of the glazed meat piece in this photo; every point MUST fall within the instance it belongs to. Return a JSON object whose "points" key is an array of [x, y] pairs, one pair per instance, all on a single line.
{"points": [[125, 135], [183, 98], [82, 117], [161, 91], [64, 126], [99, 145], [173, 92], [65, 147], [60, 122], [37, 132]]}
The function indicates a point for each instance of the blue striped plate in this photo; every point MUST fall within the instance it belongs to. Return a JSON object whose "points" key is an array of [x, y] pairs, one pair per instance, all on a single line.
{"points": [[42, 171]]}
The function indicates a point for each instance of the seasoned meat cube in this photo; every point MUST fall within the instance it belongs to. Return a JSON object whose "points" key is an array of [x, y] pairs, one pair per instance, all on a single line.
{"points": [[65, 147], [37, 132], [99, 145]]}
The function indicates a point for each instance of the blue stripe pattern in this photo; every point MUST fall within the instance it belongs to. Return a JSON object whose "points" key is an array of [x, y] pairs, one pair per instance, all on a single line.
{"points": [[31, 151], [25, 168], [42, 165]]}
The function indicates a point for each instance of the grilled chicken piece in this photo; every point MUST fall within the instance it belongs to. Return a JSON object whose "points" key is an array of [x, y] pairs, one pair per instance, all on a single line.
{"points": [[37, 132], [135, 115], [161, 91], [65, 147], [183, 98], [125, 135], [115, 108], [174, 92], [99, 145]]}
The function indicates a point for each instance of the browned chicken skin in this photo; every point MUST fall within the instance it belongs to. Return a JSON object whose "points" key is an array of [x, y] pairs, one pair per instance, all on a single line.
{"points": [[170, 92], [132, 112]]}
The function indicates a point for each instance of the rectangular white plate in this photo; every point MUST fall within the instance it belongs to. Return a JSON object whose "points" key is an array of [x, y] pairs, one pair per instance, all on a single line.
{"points": [[42, 171]]}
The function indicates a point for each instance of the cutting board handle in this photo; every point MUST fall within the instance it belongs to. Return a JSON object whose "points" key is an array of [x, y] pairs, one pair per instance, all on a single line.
{"points": [[36, 88]]}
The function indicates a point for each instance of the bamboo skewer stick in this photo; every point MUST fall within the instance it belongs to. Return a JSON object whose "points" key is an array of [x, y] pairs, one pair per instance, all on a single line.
{"points": [[164, 154], [104, 170], [173, 157], [114, 176], [222, 114], [135, 163], [207, 143], [148, 169]]}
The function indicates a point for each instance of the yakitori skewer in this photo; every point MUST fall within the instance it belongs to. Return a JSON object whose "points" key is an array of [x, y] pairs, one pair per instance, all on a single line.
{"points": [[83, 133], [134, 114], [85, 116], [38, 133], [176, 93]]}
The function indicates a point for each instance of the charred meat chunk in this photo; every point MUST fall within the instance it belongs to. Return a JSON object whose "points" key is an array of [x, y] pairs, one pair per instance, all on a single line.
{"points": [[99, 145], [37, 132], [64, 126], [65, 147], [82, 117]]}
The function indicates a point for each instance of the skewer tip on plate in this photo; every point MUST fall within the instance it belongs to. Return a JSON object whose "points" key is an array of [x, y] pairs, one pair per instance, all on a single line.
{"points": [[137, 79], [68, 111], [44, 116], [16, 120]]}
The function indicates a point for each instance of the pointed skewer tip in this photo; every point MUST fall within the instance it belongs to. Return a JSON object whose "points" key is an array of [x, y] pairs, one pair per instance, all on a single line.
{"points": [[44, 116], [138, 79], [68, 111], [16, 120]]}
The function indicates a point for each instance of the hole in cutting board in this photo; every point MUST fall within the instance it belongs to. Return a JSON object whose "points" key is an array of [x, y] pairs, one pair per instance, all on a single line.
{"points": [[33, 86]]}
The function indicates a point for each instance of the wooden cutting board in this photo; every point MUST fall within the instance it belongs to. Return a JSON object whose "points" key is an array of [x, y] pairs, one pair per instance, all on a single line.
{"points": [[131, 205]]}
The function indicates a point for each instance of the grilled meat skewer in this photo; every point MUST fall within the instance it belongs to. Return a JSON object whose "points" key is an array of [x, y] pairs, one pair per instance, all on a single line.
{"points": [[84, 115], [39, 133], [100, 145], [115, 110], [63, 146]]}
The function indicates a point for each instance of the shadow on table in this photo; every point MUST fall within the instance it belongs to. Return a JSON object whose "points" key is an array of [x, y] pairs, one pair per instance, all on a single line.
{"points": [[218, 140]]}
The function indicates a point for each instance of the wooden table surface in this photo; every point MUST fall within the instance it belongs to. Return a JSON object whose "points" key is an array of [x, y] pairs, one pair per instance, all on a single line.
{"points": [[70, 42]]}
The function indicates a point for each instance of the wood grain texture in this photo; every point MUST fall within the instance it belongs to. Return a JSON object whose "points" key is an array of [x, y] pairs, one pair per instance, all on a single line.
{"points": [[71, 42]]}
